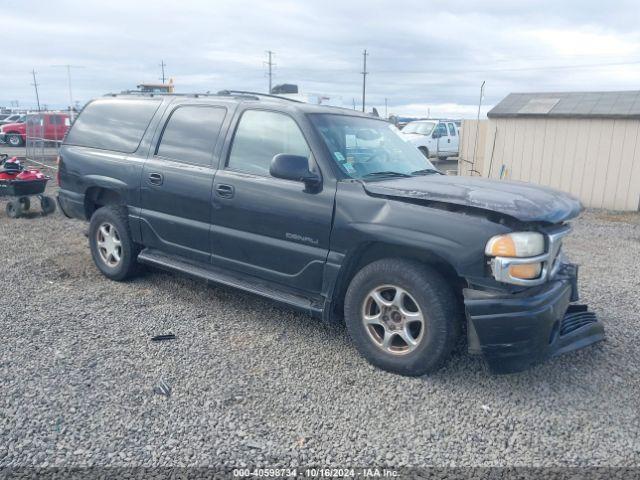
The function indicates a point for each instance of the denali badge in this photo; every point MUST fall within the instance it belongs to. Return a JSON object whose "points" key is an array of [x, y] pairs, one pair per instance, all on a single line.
{"points": [[300, 238]]}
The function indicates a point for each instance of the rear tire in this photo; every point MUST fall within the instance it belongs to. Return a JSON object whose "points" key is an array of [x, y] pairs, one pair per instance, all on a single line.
{"points": [[26, 203], [423, 294], [112, 248], [442, 159]]}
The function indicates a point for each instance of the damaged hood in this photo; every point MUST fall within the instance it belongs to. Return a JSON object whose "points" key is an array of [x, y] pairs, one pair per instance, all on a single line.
{"points": [[523, 201]]}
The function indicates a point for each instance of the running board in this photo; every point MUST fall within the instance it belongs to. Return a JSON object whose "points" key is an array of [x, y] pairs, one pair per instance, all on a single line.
{"points": [[248, 283]]}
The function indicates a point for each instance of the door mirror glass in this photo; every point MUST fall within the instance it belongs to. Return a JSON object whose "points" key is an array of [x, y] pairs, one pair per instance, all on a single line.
{"points": [[293, 167]]}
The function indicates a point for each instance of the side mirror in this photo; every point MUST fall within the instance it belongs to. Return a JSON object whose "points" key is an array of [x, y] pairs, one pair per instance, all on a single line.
{"points": [[435, 135], [293, 167]]}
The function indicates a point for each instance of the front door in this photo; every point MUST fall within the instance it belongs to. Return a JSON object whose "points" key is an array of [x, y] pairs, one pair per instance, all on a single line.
{"points": [[177, 180], [264, 226]]}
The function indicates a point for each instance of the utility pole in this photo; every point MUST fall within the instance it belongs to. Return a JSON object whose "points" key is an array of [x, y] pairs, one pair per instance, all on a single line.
{"points": [[162, 65], [270, 64], [69, 67], [364, 77], [35, 85]]}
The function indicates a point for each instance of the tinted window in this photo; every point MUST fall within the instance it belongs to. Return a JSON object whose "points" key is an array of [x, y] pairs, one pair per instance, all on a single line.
{"points": [[452, 130], [55, 120], [113, 124], [191, 134], [262, 135]]}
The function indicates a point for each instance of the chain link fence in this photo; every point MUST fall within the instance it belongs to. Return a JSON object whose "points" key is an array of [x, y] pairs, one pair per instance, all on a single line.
{"points": [[44, 134]]}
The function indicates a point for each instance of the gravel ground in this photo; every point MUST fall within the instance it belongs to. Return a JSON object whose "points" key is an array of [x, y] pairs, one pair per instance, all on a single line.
{"points": [[254, 383]]}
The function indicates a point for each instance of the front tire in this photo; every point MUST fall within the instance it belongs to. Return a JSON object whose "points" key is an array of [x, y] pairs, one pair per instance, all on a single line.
{"points": [[424, 151], [402, 316], [112, 248], [14, 208], [15, 140]]}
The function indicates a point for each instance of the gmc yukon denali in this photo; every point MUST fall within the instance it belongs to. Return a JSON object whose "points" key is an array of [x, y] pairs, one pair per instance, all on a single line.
{"points": [[331, 212]]}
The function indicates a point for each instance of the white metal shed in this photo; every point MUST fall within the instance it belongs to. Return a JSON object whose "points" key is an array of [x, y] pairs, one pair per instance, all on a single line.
{"points": [[585, 143]]}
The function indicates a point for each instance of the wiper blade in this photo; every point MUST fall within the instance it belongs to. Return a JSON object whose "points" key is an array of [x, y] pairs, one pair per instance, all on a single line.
{"points": [[386, 173], [427, 171]]}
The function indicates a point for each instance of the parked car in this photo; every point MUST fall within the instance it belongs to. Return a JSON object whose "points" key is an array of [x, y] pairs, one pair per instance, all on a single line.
{"points": [[13, 118], [434, 138], [46, 126], [331, 212]]}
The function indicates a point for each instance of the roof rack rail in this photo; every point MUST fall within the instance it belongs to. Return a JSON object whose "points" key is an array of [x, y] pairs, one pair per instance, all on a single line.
{"points": [[153, 94], [256, 94]]}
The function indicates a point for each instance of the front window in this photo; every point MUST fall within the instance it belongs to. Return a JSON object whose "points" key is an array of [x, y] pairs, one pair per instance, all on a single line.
{"points": [[423, 128], [369, 148], [260, 136]]}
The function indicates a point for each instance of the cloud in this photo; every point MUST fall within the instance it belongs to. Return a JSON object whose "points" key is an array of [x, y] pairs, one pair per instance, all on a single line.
{"points": [[423, 55]]}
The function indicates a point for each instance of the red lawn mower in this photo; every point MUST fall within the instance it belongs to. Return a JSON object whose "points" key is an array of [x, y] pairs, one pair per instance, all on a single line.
{"points": [[19, 184]]}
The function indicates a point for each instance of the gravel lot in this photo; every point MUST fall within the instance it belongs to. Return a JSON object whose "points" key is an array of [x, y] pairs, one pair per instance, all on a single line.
{"points": [[254, 383]]}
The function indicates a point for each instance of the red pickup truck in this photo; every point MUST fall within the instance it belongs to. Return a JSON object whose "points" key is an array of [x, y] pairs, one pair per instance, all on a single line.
{"points": [[45, 126]]}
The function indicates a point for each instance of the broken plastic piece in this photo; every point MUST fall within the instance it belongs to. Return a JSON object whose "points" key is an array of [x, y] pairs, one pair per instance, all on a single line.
{"points": [[161, 338], [162, 388]]}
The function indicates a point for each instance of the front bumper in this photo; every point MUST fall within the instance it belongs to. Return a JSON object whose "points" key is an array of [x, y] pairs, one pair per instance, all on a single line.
{"points": [[515, 331]]}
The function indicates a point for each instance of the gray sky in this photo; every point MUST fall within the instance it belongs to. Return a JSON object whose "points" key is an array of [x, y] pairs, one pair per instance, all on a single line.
{"points": [[423, 54]]}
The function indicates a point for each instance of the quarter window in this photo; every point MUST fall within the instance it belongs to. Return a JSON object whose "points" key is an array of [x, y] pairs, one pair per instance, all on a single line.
{"points": [[452, 129], [191, 133], [260, 136]]}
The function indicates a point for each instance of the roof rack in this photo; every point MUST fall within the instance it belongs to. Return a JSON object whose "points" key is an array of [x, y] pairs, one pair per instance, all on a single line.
{"points": [[256, 94]]}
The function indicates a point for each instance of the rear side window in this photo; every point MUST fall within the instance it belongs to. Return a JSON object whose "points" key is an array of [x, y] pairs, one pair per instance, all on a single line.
{"points": [[262, 135], [452, 130], [113, 124], [191, 134]]}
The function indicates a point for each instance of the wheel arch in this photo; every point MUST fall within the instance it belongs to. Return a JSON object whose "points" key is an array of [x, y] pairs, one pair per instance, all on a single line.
{"points": [[369, 252], [98, 196]]}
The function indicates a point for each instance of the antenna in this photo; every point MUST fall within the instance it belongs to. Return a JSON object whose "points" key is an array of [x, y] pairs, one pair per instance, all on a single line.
{"points": [[35, 85], [69, 67]]}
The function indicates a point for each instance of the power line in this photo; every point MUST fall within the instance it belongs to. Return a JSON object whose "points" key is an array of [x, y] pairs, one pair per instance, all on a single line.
{"points": [[35, 85], [364, 76], [162, 65]]}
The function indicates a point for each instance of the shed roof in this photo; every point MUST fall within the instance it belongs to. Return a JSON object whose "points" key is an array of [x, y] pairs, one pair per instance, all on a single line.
{"points": [[569, 105]]}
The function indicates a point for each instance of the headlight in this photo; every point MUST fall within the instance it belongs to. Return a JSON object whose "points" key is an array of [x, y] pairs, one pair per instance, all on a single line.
{"points": [[512, 252], [518, 244]]}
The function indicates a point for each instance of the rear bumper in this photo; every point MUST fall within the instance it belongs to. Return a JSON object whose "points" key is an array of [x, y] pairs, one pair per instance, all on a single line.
{"points": [[515, 331], [71, 204]]}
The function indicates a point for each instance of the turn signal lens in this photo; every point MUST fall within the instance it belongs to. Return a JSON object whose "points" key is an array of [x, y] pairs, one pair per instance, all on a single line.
{"points": [[526, 271], [517, 244]]}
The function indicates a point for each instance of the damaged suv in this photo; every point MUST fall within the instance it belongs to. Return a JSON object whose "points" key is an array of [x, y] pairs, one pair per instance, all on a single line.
{"points": [[333, 213]]}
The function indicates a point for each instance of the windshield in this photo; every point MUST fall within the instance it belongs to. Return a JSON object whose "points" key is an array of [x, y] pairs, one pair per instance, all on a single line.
{"points": [[366, 148], [423, 128]]}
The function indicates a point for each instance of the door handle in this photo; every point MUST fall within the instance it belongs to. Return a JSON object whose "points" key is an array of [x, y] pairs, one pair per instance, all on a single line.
{"points": [[448, 140], [225, 191], [156, 178]]}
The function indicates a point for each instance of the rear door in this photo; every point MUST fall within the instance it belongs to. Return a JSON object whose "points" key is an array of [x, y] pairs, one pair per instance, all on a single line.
{"points": [[265, 226], [177, 179], [454, 138]]}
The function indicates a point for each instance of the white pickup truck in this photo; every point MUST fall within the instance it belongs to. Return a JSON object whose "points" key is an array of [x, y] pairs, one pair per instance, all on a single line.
{"points": [[434, 138]]}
